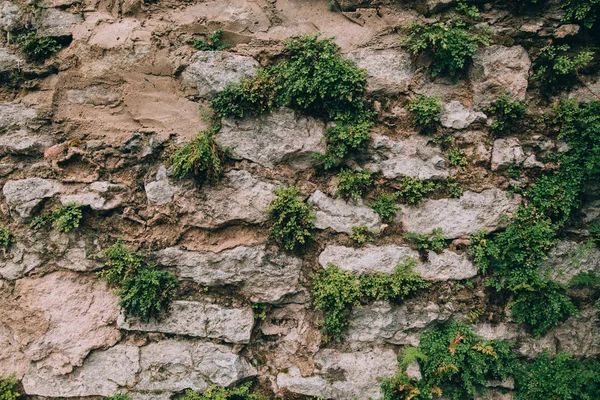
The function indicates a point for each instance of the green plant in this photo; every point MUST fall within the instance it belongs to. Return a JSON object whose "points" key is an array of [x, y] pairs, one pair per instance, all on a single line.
{"points": [[426, 111], [595, 233], [214, 42], [37, 48], [118, 396], [242, 392], [452, 187], [64, 218], [457, 157], [434, 242], [292, 219], [342, 140], [514, 171], [144, 291], [8, 388], [414, 190], [203, 157], [250, 96], [6, 237], [384, 205], [454, 362], [353, 184], [259, 310], [506, 113], [452, 43], [560, 377], [148, 293], [362, 235], [554, 66], [335, 292], [582, 11]]}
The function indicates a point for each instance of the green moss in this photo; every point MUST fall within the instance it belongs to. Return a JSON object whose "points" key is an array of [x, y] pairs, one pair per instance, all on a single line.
{"points": [[292, 220], [8, 388]]}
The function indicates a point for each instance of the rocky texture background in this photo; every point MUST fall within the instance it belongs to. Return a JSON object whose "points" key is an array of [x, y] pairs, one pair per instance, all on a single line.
{"points": [[96, 122]]}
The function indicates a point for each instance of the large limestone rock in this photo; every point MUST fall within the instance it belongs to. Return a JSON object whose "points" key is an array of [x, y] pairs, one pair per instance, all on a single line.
{"points": [[383, 322], [340, 215], [412, 157], [9, 15], [507, 152], [160, 191], [211, 71], [274, 138], [239, 197], [343, 375], [440, 267], [456, 116], [172, 366], [388, 71], [55, 23], [263, 276], [460, 217], [199, 319], [568, 258], [16, 136], [24, 195], [499, 70], [101, 196]]}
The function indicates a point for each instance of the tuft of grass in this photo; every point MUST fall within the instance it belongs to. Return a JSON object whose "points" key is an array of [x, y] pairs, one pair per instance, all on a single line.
{"points": [[203, 158], [37, 48], [214, 43]]}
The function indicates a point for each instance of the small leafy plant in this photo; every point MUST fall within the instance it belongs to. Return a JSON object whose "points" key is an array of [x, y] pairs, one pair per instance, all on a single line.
{"points": [[595, 233], [37, 48], [342, 140], [434, 242], [384, 205], [452, 43], [292, 219], [6, 237], [426, 111], [555, 66], [8, 388], [64, 218], [215, 42], [353, 184], [413, 190], [582, 11], [506, 112], [242, 392], [361, 235], [203, 158], [457, 157], [118, 396]]}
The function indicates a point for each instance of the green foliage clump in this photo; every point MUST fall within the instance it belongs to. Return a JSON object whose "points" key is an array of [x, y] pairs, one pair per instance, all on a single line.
{"points": [[454, 362], [8, 388], [560, 377], [452, 43], [426, 111], [595, 233], [64, 218], [554, 65], [582, 11], [118, 396], [506, 113], [434, 242], [203, 157], [353, 184], [6, 237], [342, 140], [361, 235], [144, 291], [259, 310], [249, 97], [457, 157], [292, 219], [335, 292], [384, 205], [37, 48], [242, 392], [452, 187], [215, 42], [413, 190]]}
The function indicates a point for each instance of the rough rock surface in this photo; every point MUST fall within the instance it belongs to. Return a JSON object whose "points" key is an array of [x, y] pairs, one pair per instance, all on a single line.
{"points": [[340, 215], [199, 319], [456, 116], [24, 195], [101, 196], [263, 276], [388, 72], [440, 267], [9, 16], [281, 136], [499, 70], [507, 152], [161, 191], [461, 217], [359, 370], [211, 71], [239, 197], [412, 157], [55, 23], [383, 322], [567, 259], [16, 137]]}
